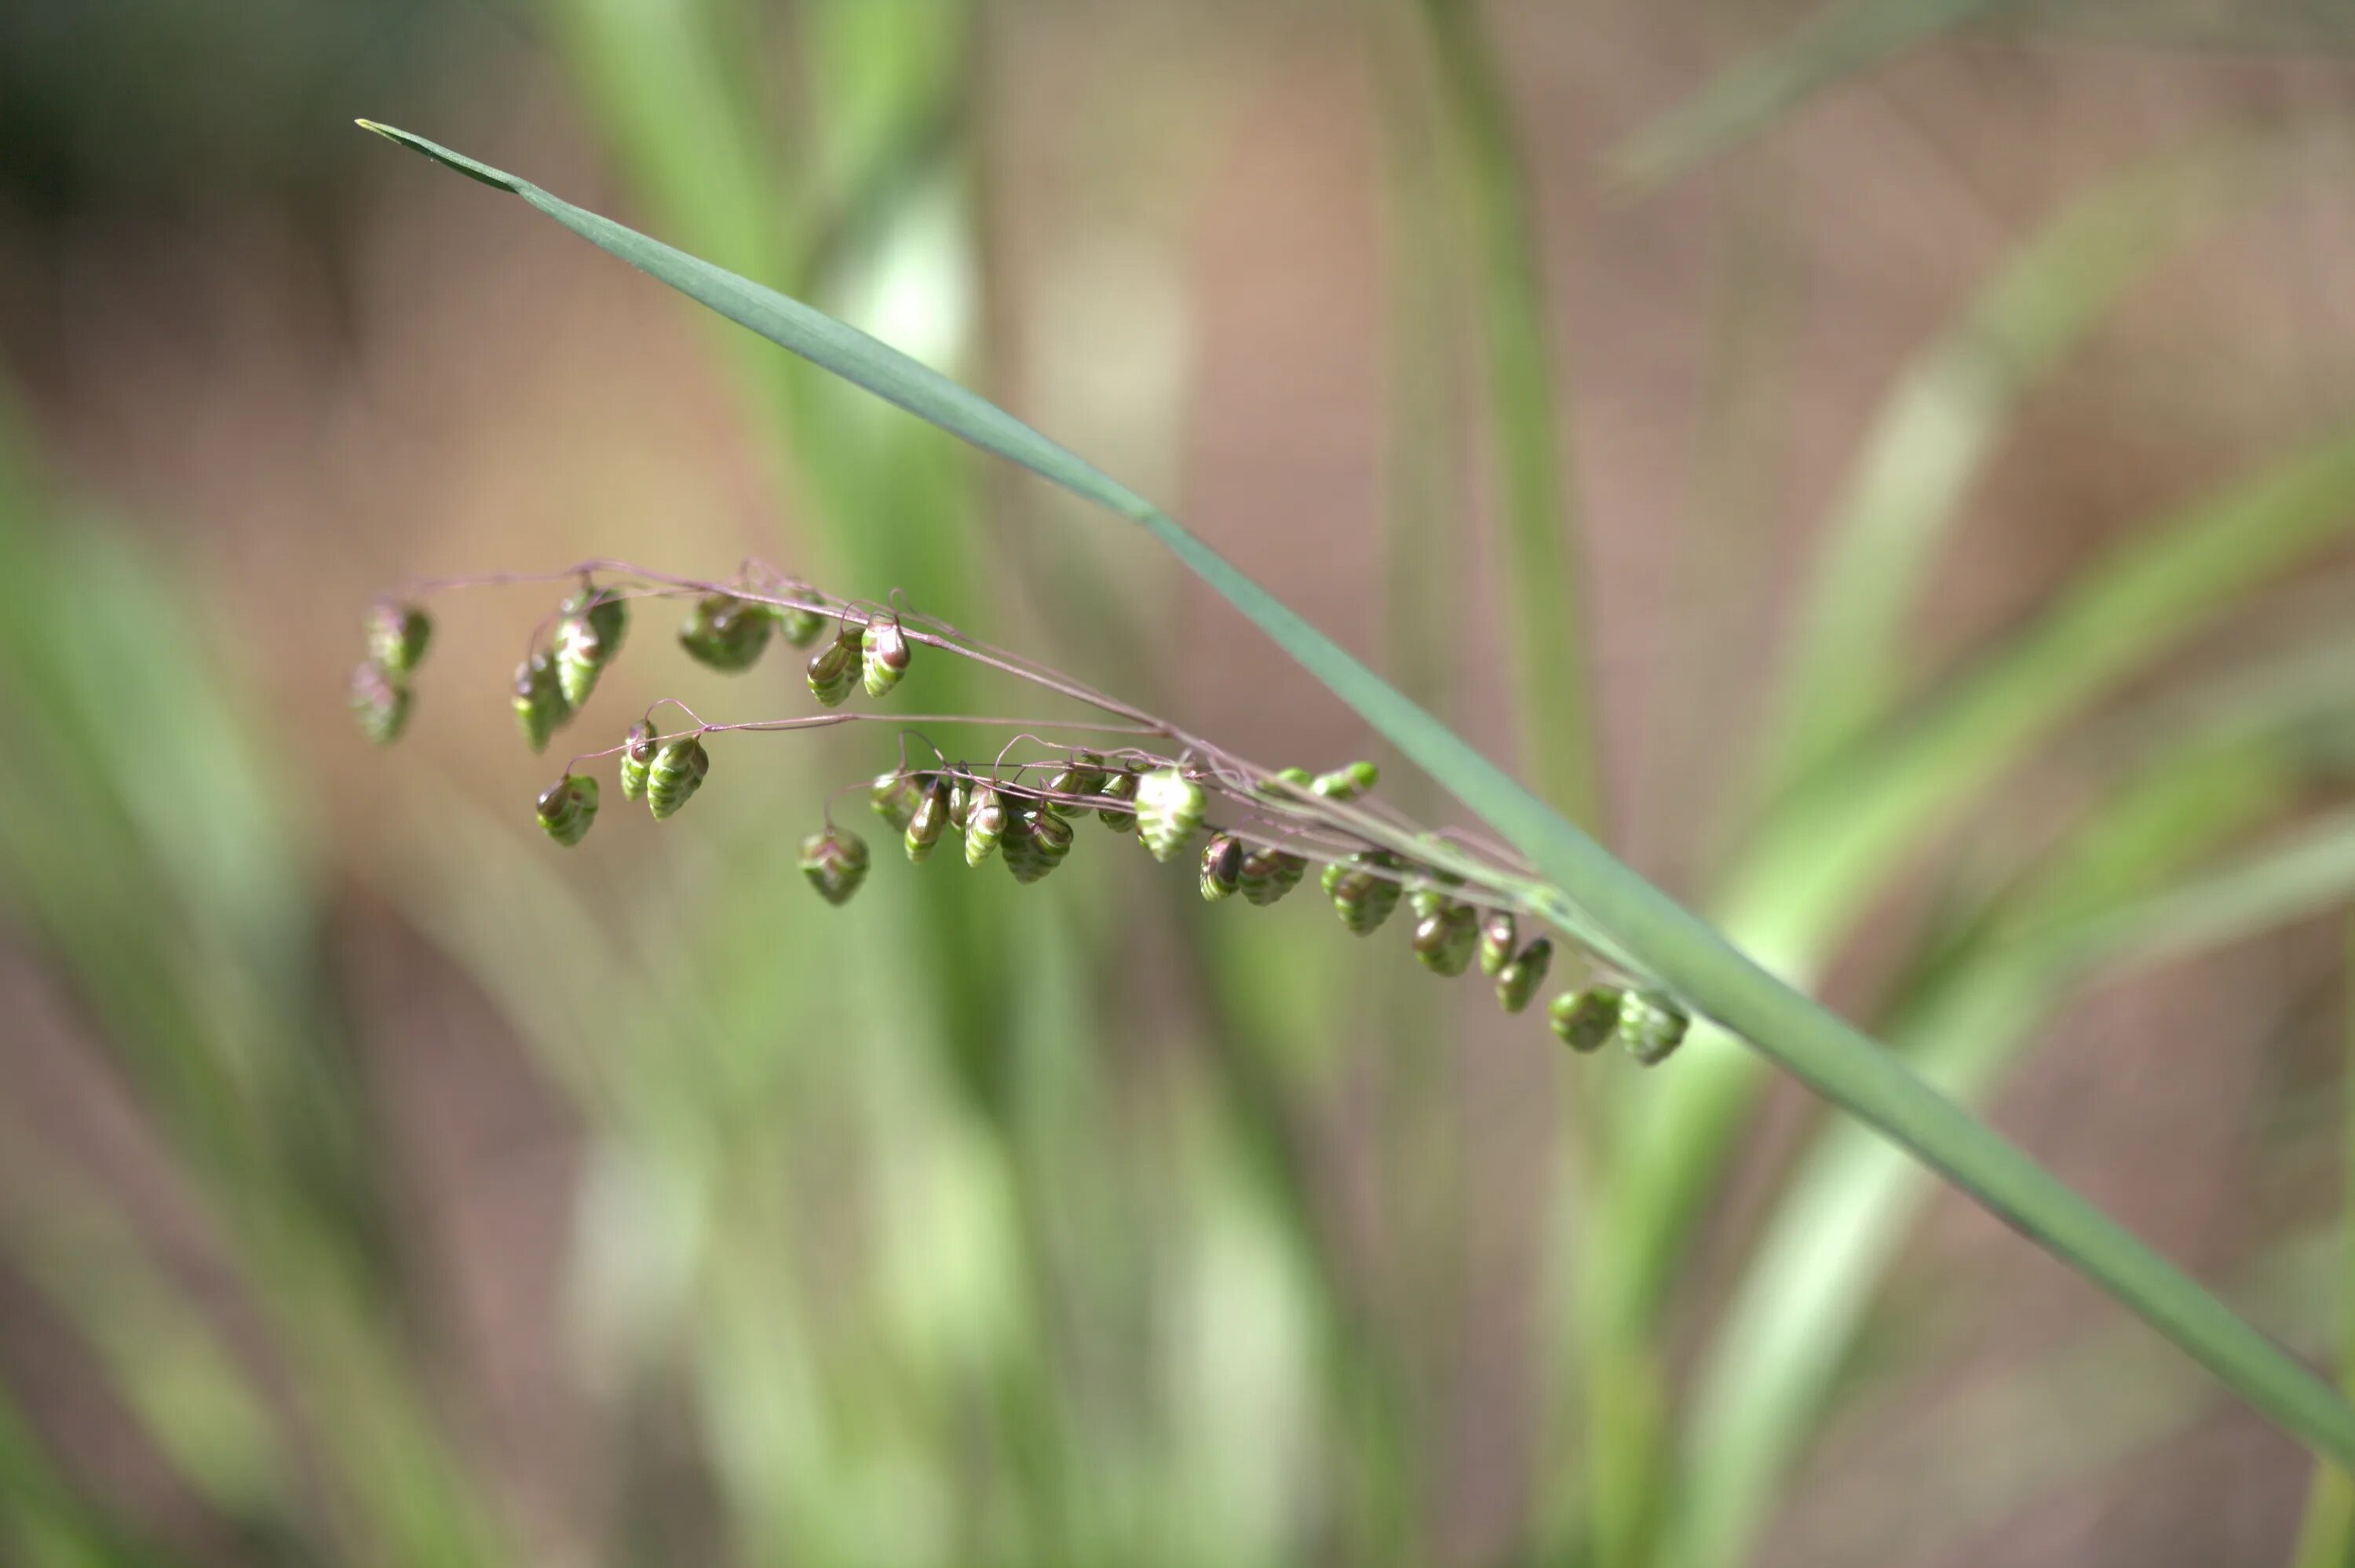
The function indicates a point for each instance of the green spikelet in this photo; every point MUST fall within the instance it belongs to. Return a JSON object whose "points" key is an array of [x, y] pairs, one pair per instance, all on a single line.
{"points": [[1346, 783], [1269, 873], [929, 820], [581, 658], [539, 706], [1036, 843], [882, 654], [895, 797], [1518, 977], [797, 626], [637, 757], [835, 863], [1169, 810], [725, 632], [1651, 1026], [960, 801], [1222, 867], [677, 774], [1444, 939], [607, 611], [834, 669], [1362, 897], [1121, 785], [1585, 1019], [567, 808], [1085, 775], [1298, 778], [1500, 936], [1430, 895], [379, 702], [985, 823], [397, 635]]}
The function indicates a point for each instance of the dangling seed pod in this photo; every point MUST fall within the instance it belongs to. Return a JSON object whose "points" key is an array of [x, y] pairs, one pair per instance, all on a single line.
{"points": [[930, 821], [397, 635], [882, 654], [1444, 939], [797, 626], [567, 808], [960, 801], [985, 823], [581, 657], [1498, 935], [1361, 895], [1269, 873], [1222, 867], [379, 702], [1651, 1026], [539, 706], [1084, 774], [1585, 1019], [896, 797], [835, 863], [607, 611], [1298, 778], [677, 774], [725, 632], [1048, 842], [1518, 977], [1121, 785], [834, 667], [1169, 810], [637, 757], [1346, 783], [1430, 895]]}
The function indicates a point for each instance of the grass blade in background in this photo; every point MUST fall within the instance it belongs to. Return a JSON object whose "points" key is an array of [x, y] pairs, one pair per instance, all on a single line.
{"points": [[2327, 1538], [1678, 950]]}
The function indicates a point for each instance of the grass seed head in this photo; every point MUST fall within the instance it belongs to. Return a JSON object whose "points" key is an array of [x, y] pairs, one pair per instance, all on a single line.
{"points": [[568, 808]]}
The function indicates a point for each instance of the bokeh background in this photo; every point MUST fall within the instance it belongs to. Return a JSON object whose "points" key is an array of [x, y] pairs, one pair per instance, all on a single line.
{"points": [[1943, 405]]}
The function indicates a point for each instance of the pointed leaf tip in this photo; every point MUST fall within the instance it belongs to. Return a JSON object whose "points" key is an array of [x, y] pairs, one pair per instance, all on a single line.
{"points": [[497, 179]]}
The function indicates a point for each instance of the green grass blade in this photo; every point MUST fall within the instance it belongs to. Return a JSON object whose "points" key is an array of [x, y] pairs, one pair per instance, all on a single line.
{"points": [[1937, 427], [1753, 94], [1676, 947], [2326, 1539]]}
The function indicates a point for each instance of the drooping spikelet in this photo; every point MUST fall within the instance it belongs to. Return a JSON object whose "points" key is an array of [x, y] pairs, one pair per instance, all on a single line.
{"points": [[1169, 810], [608, 613], [1585, 1019], [1269, 873], [1036, 843], [797, 626], [581, 655], [1346, 783], [929, 820], [1444, 939], [882, 654], [835, 862], [675, 775], [397, 636], [1120, 785], [1500, 936], [985, 823], [1222, 867], [725, 633], [1518, 977], [1364, 889], [1651, 1026], [567, 807], [895, 797], [1084, 774], [379, 701], [637, 757], [834, 667], [539, 706]]}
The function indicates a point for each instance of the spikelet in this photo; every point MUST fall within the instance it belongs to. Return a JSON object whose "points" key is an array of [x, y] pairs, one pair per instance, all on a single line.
{"points": [[895, 797], [581, 657], [567, 808], [1084, 774], [1361, 895], [960, 801], [929, 820], [835, 862], [675, 775], [1222, 867], [637, 757], [1651, 1026], [539, 706], [1169, 810], [397, 635], [725, 632], [1585, 1019], [1429, 894], [834, 667], [1346, 783], [797, 626], [1444, 939], [1518, 977], [1036, 843], [1121, 785], [607, 611], [985, 823], [882, 654], [379, 701], [1269, 873], [1500, 936]]}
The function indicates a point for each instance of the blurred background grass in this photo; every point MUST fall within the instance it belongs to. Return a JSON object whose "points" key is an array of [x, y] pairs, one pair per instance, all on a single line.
{"points": [[1886, 463]]}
